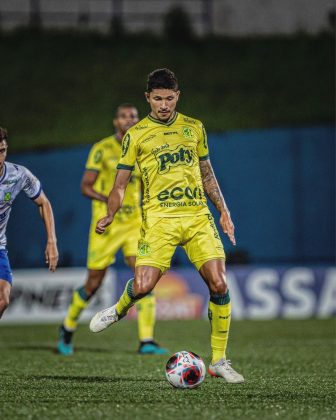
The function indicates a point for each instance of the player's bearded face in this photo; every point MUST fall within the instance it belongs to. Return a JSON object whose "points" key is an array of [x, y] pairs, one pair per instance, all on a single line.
{"points": [[162, 102], [125, 119]]}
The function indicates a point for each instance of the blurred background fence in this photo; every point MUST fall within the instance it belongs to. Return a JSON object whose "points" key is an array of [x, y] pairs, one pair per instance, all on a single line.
{"points": [[229, 17]]}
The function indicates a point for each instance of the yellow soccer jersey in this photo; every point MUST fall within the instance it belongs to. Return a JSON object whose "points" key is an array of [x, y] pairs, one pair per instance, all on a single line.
{"points": [[168, 156], [103, 158]]}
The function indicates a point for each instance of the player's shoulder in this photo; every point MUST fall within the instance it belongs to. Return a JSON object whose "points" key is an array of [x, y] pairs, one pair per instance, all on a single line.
{"points": [[139, 128], [186, 119], [191, 121], [15, 168], [106, 142]]}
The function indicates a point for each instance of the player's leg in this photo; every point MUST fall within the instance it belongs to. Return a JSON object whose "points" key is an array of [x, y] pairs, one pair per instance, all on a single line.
{"points": [[159, 239], [5, 281], [206, 251], [101, 254], [5, 289], [145, 279], [146, 307], [213, 273], [80, 300]]}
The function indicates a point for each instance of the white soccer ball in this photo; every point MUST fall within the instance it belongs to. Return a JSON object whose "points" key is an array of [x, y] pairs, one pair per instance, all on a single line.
{"points": [[185, 369]]}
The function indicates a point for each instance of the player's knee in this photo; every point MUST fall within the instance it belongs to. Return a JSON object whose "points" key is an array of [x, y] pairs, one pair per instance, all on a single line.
{"points": [[218, 286], [93, 282], [4, 302], [92, 288], [142, 286]]}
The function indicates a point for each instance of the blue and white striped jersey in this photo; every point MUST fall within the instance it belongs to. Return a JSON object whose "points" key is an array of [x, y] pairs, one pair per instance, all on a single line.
{"points": [[15, 178]]}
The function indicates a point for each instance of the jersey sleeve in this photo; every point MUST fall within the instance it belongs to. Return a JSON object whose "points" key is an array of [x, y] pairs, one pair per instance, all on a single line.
{"points": [[202, 146], [95, 158], [128, 153], [31, 185]]}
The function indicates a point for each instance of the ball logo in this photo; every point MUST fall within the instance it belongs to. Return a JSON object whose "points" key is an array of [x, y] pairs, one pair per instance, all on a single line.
{"points": [[188, 133], [181, 155], [125, 144]]}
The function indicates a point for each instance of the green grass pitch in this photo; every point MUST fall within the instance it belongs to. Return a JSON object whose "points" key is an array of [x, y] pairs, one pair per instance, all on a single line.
{"points": [[289, 368]]}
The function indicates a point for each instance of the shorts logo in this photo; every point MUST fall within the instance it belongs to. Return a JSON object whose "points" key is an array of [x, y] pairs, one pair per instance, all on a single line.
{"points": [[144, 249], [188, 133], [181, 155], [7, 197], [125, 144]]}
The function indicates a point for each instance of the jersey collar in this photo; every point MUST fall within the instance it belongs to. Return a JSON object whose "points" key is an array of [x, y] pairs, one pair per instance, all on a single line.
{"points": [[167, 123]]}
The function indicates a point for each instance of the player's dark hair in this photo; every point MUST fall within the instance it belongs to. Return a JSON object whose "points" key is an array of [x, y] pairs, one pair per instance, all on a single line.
{"points": [[3, 134], [162, 79], [124, 106]]}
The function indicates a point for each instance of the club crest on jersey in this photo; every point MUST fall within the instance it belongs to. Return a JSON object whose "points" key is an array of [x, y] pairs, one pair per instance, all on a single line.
{"points": [[7, 197], [181, 155], [125, 144], [188, 133]]}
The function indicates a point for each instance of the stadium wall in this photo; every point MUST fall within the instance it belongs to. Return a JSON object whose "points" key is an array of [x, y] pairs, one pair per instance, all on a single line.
{"points": [[279, 185], [266, 292]]}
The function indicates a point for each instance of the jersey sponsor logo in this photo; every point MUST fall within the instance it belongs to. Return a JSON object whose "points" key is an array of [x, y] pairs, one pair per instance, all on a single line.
{"points": [[169, 133], [189, 120], [144, 249], [149, 138], [10, 181], [188, 133], [178, 193], [181, 155], [125, 144], [141, 127]]}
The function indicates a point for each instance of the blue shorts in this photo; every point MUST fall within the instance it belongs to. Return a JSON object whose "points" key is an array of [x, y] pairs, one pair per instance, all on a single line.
{"points": [[5, 269]]}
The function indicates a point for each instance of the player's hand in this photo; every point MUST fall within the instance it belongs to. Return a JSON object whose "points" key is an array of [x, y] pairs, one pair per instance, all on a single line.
{"points": [[51, 255], [103, 223], [227, 225]]}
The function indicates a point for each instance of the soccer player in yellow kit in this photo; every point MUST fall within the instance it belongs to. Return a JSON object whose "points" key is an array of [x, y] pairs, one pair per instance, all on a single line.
{"points": [[171, 151], [123, 234]]}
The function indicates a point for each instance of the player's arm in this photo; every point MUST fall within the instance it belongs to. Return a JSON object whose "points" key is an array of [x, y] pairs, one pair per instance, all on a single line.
{"points": [[87, 186], [51, 252], [211, 187], [115, 199]]}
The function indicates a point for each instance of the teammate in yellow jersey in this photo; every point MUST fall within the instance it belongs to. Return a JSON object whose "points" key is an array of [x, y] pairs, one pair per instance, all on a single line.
{"points": [[171, 151], [101, 168]]}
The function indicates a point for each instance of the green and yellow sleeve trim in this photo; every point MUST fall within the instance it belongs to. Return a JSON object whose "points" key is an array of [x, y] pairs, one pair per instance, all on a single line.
{"points": [[127, 167], [92, 169], [206, 157]]}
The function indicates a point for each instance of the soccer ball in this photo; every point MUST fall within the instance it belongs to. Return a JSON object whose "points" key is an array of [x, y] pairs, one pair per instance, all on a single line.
{"points": [[185, 369]]}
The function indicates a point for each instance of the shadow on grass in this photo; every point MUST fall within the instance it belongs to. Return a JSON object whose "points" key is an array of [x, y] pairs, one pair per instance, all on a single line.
{"points": [[90, 379]]}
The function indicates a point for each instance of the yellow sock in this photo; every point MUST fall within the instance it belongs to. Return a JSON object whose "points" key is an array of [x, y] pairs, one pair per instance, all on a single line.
{"points": [[220, 317], [127, 299], [80, 301], [146, 317]]}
